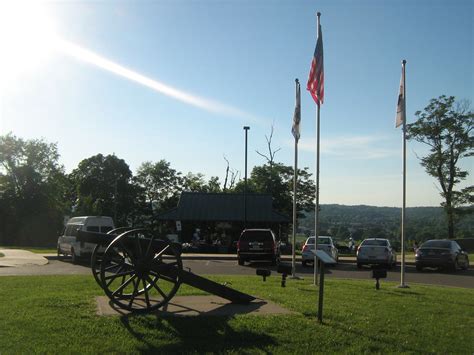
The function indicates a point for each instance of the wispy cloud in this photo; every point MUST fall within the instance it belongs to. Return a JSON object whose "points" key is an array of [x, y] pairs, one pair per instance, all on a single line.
{"points": [[354, 147], [99, 61]]}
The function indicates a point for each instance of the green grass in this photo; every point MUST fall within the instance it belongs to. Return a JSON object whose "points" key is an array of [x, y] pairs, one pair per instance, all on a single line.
{"points": [[56, 314]]}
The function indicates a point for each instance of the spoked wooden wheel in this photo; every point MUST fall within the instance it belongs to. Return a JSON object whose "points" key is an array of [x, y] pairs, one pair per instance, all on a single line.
{"points": [[97, 254], [139, 272]]}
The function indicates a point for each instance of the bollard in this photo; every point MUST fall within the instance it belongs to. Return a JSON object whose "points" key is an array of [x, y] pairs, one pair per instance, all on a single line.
{"points": [[378, 274], [284, 269], [264, 273]]}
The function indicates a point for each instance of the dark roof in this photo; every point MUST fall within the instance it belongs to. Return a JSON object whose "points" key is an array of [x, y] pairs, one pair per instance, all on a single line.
{"points": [[223, 207]]}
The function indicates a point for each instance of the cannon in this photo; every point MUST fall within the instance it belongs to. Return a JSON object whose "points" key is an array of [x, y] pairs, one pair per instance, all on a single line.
{"points": [[140, 272]]}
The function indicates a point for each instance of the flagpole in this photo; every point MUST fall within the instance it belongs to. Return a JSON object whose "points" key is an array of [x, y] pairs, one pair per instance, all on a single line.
{"points": [[402, 271], [316, 208], [295, 179], [316, 212], [296, 134]]}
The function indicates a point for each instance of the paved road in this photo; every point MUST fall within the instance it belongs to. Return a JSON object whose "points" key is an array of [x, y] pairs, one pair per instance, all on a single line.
{"points": [[228, 267]]}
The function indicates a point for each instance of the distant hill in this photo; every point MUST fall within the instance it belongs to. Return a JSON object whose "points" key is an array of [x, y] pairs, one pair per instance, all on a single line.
{"points": [[363, 221]]}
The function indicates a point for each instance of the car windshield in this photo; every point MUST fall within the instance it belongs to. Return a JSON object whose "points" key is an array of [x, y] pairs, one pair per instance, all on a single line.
{"points": [[321, 240], [437, 244], [257, 236], [375, 242]]}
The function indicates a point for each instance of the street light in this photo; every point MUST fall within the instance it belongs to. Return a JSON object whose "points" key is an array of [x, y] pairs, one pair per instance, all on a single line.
{"points": [[246, 129]]}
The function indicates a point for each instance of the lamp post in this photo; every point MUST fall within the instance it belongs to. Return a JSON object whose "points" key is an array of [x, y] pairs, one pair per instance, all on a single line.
{"points": [[246, 129]]}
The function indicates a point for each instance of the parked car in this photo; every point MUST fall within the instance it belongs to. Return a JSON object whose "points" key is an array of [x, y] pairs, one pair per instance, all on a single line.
{"points": [[325, 243], [441, 253], [258, 244], [376, 251], [67, 243]]}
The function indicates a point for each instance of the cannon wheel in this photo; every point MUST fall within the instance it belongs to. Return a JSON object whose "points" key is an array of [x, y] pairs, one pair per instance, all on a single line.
{"points": [[97, 254], [136, 283]]}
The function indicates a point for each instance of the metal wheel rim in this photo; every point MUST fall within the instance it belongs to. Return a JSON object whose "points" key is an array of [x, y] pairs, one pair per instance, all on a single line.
{"points": [[137, 286], [96, 258]]}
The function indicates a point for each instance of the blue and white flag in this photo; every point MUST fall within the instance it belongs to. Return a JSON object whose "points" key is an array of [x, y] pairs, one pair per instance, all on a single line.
{"points": [[297, 115]]}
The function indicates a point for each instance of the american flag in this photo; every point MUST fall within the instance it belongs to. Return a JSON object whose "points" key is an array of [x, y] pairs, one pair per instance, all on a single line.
{"points": [[316, 76]]}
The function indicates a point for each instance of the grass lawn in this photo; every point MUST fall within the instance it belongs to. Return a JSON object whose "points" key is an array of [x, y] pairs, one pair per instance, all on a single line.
{"points": [[56, 314]]}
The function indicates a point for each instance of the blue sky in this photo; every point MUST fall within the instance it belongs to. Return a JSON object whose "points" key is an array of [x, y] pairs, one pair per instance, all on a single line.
{"points": [[240, 59]]}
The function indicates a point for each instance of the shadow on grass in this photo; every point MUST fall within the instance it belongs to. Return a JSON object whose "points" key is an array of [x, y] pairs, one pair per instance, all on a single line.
{"points": [[199, 334]]}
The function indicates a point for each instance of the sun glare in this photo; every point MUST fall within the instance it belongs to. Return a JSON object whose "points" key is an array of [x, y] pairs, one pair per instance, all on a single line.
{"points": [[27, 37]]}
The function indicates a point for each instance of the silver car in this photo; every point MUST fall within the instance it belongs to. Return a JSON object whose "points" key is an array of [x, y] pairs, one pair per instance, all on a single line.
{"points": [[376, 251], [325, 243]]}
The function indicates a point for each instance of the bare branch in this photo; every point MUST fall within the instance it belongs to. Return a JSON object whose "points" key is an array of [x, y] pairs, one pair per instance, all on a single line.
{"points": [[271, 153]]}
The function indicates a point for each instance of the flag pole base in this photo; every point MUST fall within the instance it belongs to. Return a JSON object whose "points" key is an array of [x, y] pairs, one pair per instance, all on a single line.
{"points": [[403, 286]]}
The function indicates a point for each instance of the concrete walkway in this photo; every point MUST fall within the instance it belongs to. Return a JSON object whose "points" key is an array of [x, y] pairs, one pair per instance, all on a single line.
{"points": [[19, 257]]}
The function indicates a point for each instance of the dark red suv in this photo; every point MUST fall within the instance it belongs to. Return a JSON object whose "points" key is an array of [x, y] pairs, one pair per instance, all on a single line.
{"points": [[258, 244]]}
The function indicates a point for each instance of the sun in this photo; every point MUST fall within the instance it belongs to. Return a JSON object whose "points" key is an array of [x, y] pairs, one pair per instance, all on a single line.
{"points": [[27, 37]]}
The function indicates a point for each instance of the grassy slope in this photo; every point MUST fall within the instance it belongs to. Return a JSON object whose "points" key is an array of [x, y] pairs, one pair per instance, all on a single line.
{"points": [[56, 314]]}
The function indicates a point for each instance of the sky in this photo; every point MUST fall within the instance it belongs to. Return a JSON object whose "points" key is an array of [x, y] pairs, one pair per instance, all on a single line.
{"points": [[178, 80]]}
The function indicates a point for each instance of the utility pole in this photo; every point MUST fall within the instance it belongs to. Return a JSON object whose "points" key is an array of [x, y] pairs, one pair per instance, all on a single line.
{"points": [[246, 129]]}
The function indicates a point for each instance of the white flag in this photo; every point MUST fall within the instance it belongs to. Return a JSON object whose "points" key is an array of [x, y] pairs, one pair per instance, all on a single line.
{"points": [[297, 115], [401, 114]]}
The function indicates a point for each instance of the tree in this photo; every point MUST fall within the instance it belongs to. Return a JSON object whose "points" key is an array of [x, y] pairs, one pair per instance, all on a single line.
{"points": [[270, 158], [231, 179], [104, 187], [447, 128], [197, 183], [277, 180], [161, 183], [33, 187]]}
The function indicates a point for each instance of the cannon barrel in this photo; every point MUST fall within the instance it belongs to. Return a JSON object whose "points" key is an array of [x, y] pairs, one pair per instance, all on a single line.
{"points": [[95, 237], [104, 239]]}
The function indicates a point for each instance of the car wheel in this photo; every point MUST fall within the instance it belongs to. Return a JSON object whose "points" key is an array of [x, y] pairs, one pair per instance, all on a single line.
{"points": [[241, 261], [419, 268], [60, 254], [466, 264], [455, 266], [359, 265], [73, 256]]}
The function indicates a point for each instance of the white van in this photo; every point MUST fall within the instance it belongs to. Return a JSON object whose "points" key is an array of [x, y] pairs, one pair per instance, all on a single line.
{"points": [[67, 243]]}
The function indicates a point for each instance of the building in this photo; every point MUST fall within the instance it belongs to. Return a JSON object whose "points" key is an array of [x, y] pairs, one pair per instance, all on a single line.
{"points": [[220, 217]]}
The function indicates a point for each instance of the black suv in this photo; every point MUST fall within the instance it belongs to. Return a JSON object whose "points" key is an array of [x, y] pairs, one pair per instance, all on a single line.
{"points": [[258, 244]]}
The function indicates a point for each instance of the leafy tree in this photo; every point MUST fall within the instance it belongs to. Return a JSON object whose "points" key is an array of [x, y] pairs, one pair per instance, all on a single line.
{"points": [[162, 184], [277, 180], [447, 128], [104, 186], [197, 183], [32, 191]]}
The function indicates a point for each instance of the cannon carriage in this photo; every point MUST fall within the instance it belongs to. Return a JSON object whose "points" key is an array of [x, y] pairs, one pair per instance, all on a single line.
{"points": [[140, 272]]}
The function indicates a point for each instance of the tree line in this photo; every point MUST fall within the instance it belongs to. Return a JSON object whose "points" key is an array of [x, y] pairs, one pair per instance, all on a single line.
{"points": [[36, 193], [360, 222]]}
